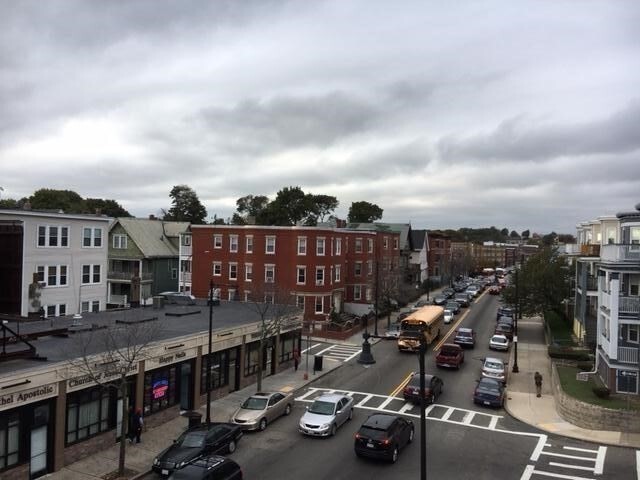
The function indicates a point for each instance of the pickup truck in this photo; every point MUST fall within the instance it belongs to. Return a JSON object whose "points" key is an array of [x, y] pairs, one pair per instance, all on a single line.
{"points": [[450, 355]]}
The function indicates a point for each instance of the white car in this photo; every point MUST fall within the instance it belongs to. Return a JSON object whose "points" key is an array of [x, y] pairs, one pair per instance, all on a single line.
{"points": [[326, 414], [393, 332], [494, 368], [499, 342], [448, 316]]}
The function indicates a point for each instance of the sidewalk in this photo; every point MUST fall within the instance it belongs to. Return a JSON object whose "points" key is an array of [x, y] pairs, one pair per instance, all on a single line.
{"points": [[541, 413]]}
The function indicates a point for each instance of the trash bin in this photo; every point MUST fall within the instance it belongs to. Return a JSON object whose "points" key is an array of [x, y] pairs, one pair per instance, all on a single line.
{"points": [[195, 418], [317, 363]]}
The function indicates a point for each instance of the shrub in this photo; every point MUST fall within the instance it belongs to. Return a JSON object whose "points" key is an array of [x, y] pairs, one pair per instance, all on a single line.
{"points": [[566, 353], [601, 392], [585, 366]]}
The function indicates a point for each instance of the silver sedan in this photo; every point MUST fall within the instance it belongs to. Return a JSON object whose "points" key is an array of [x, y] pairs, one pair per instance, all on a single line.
{"points": [[326, 414]]}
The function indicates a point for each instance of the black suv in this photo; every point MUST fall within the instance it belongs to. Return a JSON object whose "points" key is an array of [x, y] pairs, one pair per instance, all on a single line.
{"points": [[213, 467], [382, 436]]}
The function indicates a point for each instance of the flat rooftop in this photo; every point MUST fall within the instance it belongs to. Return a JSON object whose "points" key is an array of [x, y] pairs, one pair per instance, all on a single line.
{"points": [[173, 321]]}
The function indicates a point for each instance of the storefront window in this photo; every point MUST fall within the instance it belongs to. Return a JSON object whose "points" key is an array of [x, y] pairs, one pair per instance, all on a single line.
{"points": [[87, 413], [219, 370], [160, 389], [251, 358], [287, 343], [9, 433]]}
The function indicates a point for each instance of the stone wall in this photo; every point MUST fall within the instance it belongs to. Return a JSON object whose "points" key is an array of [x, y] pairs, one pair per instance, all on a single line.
{"points": [[590, 416]]}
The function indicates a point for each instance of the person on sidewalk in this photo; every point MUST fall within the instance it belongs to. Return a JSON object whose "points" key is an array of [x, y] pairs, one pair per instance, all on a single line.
{"points": [[296, 359], [138, 422], [131, 432], [538, 379]]}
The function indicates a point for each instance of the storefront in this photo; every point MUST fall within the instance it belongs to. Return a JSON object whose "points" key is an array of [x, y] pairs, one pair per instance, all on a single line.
{"points": [[225, 370], [26, 429], [168, 381]]}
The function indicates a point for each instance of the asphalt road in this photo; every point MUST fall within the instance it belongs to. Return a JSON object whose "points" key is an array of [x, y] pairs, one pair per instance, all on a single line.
{"points": [[464, 441]]}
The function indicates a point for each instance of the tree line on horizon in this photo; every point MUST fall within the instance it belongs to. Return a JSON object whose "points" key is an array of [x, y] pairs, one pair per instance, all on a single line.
{"points": [[291, 206]]}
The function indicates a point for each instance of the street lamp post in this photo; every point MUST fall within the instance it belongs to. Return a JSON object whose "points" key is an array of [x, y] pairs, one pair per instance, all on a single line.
{"points": [[208, 420], [515, 368], [423, 415]]}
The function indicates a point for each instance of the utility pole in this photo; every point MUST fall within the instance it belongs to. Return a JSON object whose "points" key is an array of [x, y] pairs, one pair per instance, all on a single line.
{"points": [[423, 415], [515, 368], [208, 420]]}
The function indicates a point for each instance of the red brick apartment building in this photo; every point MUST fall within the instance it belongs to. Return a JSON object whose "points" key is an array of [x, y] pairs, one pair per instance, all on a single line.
{"points": [[321, 268]]}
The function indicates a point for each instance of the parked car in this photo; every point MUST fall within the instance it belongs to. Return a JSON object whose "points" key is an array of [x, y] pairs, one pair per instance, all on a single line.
{"points": [[499, 342], [326, 414], [450, 355], [505, 319], [261, 409], [209, 468], [448, 315], [462, 298], [504, 329], [448, 292], [420, 304], [393, 332], [439, 300], [489, 392], [473, 290], [383, 436], [402, 316], [494, 290], [494, 368], [178, 298], [465, 337], [505, 311], [432, 388], [453, 306], [196, 442]]}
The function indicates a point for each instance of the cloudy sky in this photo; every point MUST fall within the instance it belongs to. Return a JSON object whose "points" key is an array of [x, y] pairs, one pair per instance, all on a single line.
{"points": [[524, 115]]}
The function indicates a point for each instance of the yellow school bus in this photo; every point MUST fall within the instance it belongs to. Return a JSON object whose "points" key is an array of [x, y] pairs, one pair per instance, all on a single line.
{"points": [[426, 322]]}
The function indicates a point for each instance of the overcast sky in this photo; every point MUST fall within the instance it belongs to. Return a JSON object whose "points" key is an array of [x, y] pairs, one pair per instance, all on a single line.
{"points": [[516, 114]]}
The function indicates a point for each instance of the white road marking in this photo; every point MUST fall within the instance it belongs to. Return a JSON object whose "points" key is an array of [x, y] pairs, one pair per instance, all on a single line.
{"points": [[588, 450], [311, 347], [566, 465], [638, 464], [573, 457], [602, 451], [303, 397], [447, 414], [493, 423], [468, 417], [539, 447], [384, 404], [530, 471], [364, 400], [352, 356], [409, 406]]}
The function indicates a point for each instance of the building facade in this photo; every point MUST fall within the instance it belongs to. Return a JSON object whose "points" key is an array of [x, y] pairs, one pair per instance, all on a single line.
{"points": [[52, 264]]}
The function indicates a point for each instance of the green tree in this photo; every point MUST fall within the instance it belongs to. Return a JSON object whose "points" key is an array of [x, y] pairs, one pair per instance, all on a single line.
{"points": [[51, 199], [12, 203], [364, 212], [322, 206], [514, 234], [542, 283], [185, 206], [251, 206], [110, 208], [525, 234], [504, 232], [566, 238]]}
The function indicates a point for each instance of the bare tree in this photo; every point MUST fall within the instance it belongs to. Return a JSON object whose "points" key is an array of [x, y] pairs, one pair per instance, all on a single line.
{"points": [[107, 356], [386, 286], [276, 309]]}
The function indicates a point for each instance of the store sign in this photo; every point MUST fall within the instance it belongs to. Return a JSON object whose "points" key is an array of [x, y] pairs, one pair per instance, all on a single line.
{"points": [[16, 399], [159, 388], [107, 375], [169, 358]]}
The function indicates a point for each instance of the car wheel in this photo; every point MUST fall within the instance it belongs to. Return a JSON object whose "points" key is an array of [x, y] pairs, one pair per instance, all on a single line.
{"points": [[232, 446], [287, 409], [350, 414], [263, 424], [394, 455], [411, 434], [333, 430]]}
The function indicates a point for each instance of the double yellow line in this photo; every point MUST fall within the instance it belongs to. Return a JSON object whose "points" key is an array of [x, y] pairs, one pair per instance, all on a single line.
{"points": [[400, 387]]}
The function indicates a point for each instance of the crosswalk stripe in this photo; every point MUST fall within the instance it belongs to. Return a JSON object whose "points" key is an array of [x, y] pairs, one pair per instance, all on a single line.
{"points": [[447, 414], [602, 451], [566, 465], [468, 417], [573, 457], [408, 406], [384, 404], [529, 471], [365, 400]]}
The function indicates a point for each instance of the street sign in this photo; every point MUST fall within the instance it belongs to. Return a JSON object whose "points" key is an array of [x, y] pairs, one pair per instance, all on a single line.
{"points": [[628, 373]]}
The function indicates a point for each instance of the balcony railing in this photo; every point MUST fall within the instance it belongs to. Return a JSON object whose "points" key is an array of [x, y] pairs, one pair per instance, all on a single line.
{"points": [[112, 275], [628, 355], [620, 253], [629, 304], [185, 277]]}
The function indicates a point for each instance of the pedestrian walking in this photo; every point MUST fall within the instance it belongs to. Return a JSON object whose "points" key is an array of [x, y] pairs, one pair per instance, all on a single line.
{"points": [[296, 359], [131, 431], [538, 379], [138, 424]]}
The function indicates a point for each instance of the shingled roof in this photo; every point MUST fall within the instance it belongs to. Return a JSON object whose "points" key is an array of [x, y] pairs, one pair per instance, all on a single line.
{"points": [[154, 238]]}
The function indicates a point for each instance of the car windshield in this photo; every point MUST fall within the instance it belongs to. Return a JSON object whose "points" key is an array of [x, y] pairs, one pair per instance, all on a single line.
{"points": [[448, 312], [255, 403], [322, 408], [192, 440], [494, 365]]}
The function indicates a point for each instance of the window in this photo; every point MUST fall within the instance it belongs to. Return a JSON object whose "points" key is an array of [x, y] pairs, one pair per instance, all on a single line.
{"points": [[338, 246], [319, 304], [269, 273], [231, 294], [319, 275], [369, 267], [56, 275], [233, 271], [186, 240], [87, 414], [301, 275], [320, 246], [337, 271], [160, 389], [9, 439], [632, 333], [91, 237], [385, 243], [357, 270], [300, 302], [217, 269], [358, 245], [217, 241], [233, 243], [247, 295], [174, 273], [59, 310], [248, 272], [249, 243], [90, 274], [270, 245], [268, 298], [53, 236], [302, 245], [395, 243], [370, 245], [251, 355], [120, 241], [357, 292], [219, 368], [368, 294], [90, 306]]}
